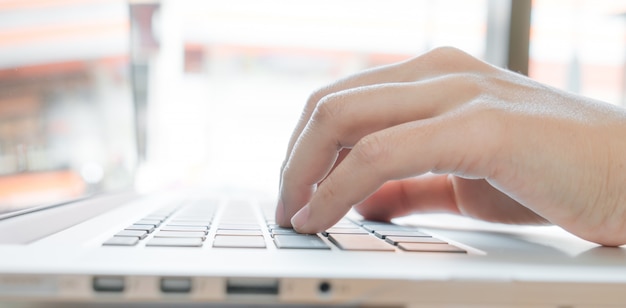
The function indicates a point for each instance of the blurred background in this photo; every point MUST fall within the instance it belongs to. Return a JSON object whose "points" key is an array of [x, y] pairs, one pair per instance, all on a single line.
{"points": [[102, 94]]}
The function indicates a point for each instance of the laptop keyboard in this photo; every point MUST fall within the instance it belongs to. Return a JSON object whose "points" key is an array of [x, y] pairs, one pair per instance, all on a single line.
{"points": [[239, 224]]}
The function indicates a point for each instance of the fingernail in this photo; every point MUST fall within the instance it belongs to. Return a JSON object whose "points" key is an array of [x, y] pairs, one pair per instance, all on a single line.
{"points": [[299, 220]]}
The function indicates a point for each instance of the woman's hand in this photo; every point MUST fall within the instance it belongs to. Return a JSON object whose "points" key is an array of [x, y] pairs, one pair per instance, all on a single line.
{"points": [[445, 132]]}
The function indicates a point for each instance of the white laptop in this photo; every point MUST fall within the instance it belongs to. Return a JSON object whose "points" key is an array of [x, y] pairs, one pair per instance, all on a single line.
{"points": [[67, 240]]}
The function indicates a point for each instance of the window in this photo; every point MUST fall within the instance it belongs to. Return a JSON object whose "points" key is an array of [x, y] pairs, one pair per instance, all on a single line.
{"points": [[231, 77]]}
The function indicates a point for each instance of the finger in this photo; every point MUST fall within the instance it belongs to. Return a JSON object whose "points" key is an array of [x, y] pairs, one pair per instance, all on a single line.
{"points": [[340, 157], [429, 193], [448, 144], [479, 199], [445, 193], [345, 117]]}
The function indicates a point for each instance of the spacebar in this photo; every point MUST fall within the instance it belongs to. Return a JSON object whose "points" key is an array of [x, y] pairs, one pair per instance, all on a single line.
{"points": [[360, 242]]}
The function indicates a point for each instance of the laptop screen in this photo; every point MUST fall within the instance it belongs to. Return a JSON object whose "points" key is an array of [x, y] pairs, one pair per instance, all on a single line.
{"points": [[66, 112]]}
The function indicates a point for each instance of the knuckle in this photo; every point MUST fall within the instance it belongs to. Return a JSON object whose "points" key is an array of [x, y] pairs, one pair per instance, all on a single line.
{"points": [[314, 100], [316, 96], [443, 54], [446, 51], [328, 109], [371, 150], [448, 59]]}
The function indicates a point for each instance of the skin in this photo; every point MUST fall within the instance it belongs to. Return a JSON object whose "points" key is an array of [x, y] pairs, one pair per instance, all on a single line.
{"points": [[446, 132]]}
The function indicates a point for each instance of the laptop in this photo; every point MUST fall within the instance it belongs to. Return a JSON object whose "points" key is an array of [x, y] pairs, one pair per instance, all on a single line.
{"points": [[74, 232]]}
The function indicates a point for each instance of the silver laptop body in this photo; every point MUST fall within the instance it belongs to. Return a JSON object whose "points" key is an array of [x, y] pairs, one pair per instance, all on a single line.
{"points": [[81, 245], [498, 266]]}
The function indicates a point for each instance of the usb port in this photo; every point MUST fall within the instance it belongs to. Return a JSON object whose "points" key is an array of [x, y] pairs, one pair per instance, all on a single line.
{"points": [[108, 284], [175, 285]]}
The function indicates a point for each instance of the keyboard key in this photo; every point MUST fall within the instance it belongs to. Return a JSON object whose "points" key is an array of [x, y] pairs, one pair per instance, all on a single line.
{"points": [[153, 222], [394, 240], [430, 247], [238, 232], [334, 230], [233, 226], [371, 222], [180, 223], [362, 242], [237, 241], [284, 231], [184, 228], [302, 241], [239, 219], [201, 235], [175, 242], [345, 224], [121, 241], [192, 219], [386, 227], [147, 228], [385, 233], [140, 234], [207, 218]]}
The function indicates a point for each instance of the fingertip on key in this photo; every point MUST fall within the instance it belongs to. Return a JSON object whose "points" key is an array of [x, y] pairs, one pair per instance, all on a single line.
{"points": [[299, 220], [281, 220]]}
